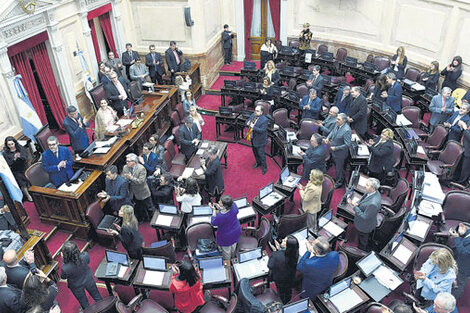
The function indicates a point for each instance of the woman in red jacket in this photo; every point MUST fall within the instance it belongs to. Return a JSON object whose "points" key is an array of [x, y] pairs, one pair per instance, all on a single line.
{"points": [[187, 287]]}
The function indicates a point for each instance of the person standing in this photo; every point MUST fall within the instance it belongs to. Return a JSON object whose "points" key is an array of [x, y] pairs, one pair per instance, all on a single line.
{"points": [[258, 124], [40, 290], [154, 62], [227, 43], [358, 112], [117, 191], [114, 63], [444, 303], [305, 37], [117, 93], [224, 216], [381, 154], [465, 172], [10, 297], [441, 107], [311, 197], [187, 287], [139, 72], [327, 125], [430, 78], [163, 193], [311, 105], [173, 60], [18, 270], [75, 126], [340, 140], [366, 209], [315, 80], [15, 156], [189, 136], [213, 173], [57, 162], [78, 274], [398, 63], [149, 159], [462, 257], [314, 157], [104, 118], [394, 93], [343, 99], [452, 72], [458, 122], [128, 233], [128, 58]]}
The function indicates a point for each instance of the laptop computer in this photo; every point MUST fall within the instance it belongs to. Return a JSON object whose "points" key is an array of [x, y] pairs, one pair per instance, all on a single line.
{"points": [[339, 287], [114, 261], [249, 65], [369, 264], [168, 209], [241, 202], [230, 84], [249, 86], [249, 255], [154, 263], [300, 306], [226, 111], [213, 269], [391, 115], [202, 210], [328, 56], [263, 192], [107, 222], [288, 180], [350, 61], [322, 221]]}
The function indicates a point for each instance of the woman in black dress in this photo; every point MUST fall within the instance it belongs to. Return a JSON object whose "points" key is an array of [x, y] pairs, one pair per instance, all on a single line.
{"points": [[128, 233], [452, 73], [15, 155], [430, 78]]}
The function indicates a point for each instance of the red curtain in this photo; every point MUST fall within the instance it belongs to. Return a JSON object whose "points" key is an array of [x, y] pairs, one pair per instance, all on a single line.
{"points": [[275, 6], [99, 11], [46, 77], [248, 5], [96, 46], [108, 31], [21, 64]]}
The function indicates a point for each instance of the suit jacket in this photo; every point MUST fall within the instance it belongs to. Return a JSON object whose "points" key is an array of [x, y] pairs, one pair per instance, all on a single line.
{"points": [[227, 38], [466, 143], [315, 107], [171, 59], [138, 182], [462, 253], [316, 84], [394, 98], [328, 124], [455, 132], [343, 105], [50, 162], [154, 68], [114, 65], [432, 80], [437, 116], [17, 274], [78, 136], [127, 59], [365, 219], [358, 112], [163, 194], [214, 177], [314, 158], [275, 77], [400, 72], [135, 72], [78, 275], [259, 136], [340, 138], [381, 156], [10, 300], [112, 93], [118, 191], [132, 241], [185, 137], [103, 78], [7, 221], [311, 198], [151, 162]]}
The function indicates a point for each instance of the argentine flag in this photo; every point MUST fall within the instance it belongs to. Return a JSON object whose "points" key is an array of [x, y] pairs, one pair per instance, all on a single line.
{"points": [[29, 118], [87, 82], [9, 180]]}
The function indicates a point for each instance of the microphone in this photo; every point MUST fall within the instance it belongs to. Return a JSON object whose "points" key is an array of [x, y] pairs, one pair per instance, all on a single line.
{"points": [[296, 297]]}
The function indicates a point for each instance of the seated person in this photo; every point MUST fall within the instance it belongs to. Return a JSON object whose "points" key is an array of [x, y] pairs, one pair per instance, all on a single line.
{"points": [[343, 99], [189, 136], [163, 192], [317, 265], [314, 157], [6, 218], [57, 162], [268, 52], [458, 122], [117, 191], [327, 125], [311, 105], [443, 303], [17, 271], [148, 159], [187, 287], [75, 126], [266, 89]]}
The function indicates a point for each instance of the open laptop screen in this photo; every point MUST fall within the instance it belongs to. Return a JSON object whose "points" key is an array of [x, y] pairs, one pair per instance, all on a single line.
{"points": [[285, 174], [241, 203], [211, 262], [296, 307], [154, 263], [325, 219], [202, 210], [265, 191], [169, 209], [117, 257], [338, 287], [249, 255]]}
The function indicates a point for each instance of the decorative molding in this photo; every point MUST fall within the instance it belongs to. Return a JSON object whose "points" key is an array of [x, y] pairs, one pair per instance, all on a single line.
{"points": [[19, 28]]}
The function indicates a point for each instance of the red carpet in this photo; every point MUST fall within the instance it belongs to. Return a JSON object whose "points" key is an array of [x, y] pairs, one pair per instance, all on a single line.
{"points": [[240, 180]]}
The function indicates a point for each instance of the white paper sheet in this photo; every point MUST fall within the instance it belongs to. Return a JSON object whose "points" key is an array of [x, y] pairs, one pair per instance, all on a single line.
{"points": [[296, 150], [418, 228], [199, 171], [164, 220], [387, 278], [200, 152], [70, 188], [251, 268], [112, 128], [362, 150], [429, 208], [187, 172], [362, 181], [345, 300], [204, 145], [418, 87], [102, 150], [200, 219], [420, 150], [124, 122], [402, 120], [403, 254], [271, 199], [247, 211], [153, 278], [333, 229], [122, 271]]}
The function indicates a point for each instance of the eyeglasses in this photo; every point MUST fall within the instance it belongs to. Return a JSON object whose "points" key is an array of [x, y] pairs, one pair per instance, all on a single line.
{"points": [[52, 144], [129, 161]]}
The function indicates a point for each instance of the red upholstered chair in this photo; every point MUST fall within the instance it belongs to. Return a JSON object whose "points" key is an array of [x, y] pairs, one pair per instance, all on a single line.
{"points": [[294, 43], [175, 170], [306, 130], [278, 44], [367, 85], [281, 118], [266, 106], [298, 70], [328, 187], [254, 238], [322, 48], [376, 307], [397, 154], [175, 119], [292, 84], [412, 74], [174, 132], [406, 101], [370, 58], [388, 226], [180, 109], [281, 65], [341, 54], [219, 304], [393, 198], [382, 62], [107, 305], [176, 157], [167, 251], [41, 138], [94, 214], [446, 164], [456, 208], [354, 254], [195, 232], [342, 267], [290, 223], [302, 90], [413, 113], [264, 294], [436, 140], [36, 175]]}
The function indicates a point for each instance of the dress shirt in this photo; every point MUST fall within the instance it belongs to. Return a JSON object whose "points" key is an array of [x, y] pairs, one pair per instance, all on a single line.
{"points": [[121, 89], [176, 56]]}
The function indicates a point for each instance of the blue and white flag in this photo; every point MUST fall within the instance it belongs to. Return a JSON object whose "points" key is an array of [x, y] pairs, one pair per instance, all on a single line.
{"points": [[9, 180], [29, 118], [87, 82]]}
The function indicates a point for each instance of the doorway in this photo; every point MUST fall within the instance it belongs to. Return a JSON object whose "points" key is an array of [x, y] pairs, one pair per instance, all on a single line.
{"points": [[261, 27]]}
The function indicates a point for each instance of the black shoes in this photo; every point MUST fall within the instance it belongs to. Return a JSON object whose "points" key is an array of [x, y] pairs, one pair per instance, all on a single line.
{"points": [[264, 171], [256, 165], [338, 185]]}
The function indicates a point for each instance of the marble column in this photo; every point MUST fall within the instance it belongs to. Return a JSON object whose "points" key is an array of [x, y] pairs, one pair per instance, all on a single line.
{"points": [[90, 49], [8, 90], [284, 16], [240, 18], [116, 23]]}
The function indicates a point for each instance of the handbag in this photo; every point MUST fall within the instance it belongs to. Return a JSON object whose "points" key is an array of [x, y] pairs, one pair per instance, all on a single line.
{"points": [[206, 245]]}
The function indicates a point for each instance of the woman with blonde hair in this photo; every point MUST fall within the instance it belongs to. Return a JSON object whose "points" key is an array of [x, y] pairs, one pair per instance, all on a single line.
{"points": [[105, 117], [398, 64], [311, 197], [271, 72], [437, 274], [430, 78], [381, 154], [128, 233], [197, 118]]}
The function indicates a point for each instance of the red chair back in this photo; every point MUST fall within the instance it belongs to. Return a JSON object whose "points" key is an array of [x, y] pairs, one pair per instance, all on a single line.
{"points": [[94, 213], [198, 231], [175, 134], [180, 109], [175, 119], [382, 62], [281, 118], [406, 101], [328, 187], [170, 147], [292, 84], [456, 206], [424, 251], [412, 74], [167, 157], [322, 48], [341, 54], [412, 113], [451, 153], [302, 90], [36, 175], [307, 129], [42, 135], [437, 137], [294, 43]]}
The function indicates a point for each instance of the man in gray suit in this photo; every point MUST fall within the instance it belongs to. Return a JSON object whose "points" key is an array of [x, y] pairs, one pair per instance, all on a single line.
{"points": [[136, 175], [139, 72], [366, 209], [114, 63], [315, 80], [329, 122], [340, 140]]}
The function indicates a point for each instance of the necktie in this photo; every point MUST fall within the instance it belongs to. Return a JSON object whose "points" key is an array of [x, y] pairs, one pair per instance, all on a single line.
{"points": [[130, 54], [113, 62], [57, 154], [443, 102], [190, 133]]}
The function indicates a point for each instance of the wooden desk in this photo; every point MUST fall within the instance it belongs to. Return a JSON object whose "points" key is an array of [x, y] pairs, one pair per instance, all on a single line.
{"points": [[138, 281], [387, 253], [346, 210], [195, 75], [330, 237], [262, 209], [230, 121], [262, 270], [422, 219], [195, 161], [175, 225], [67, 209], [252, 75], [100, 274]]}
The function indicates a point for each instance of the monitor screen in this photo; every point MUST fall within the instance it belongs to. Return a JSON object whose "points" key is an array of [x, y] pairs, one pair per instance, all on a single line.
{"points": [[296, 307], [117, 257], [265, 190], [211, 262], [241, 203], [338, 287], [154, 263], [285, 174], [325, 219], [301, 234], [249, 255], [369, 264], [202, 210], [169, 209]]}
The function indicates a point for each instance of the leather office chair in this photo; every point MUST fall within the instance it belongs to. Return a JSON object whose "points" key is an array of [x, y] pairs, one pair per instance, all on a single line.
{"points": [[138, 304], [306, 130], [294, 43], [368, 85], [376, 307], [180, 109], [175, 170], [328, 188], [281, 118], [412, 74], [436, 140], [342, 267], [97, 94], [278, 44], [391, 178], [264, 294], [167, 251], [290, 223], [456, 209], [36, 175], [446, 164], [195, 232], [135, 93], [382, 62], [387, 228], [302, 90], [321, 49], [393, 198], [281, 65], [292, 84], [254, 238], [413, 113], [41, 138], [341, 54], [337, 80], [107, 305], [174, 132], [298, 70], [175, 119], [370, 58], [354, 254], [176, 157], [406, 101], [94, 214], [219, 304]]}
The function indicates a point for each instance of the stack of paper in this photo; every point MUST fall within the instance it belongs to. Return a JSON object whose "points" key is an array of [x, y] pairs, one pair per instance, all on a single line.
{"points": [[245, 212], [362, 150], [362, 181], [296, 150], [271, 199], [187, 172], [124, 122], [122, 271], [153, 278], [418, 228], [204, 145], [200, 152], [70, 188], [346, 300], [432, 189], [333, 229], [420, 150], [402, 120], [418, 87], [112, 128], [164, 220], [102, 150], [429, 208], [199, 171], [403, 254], [251, 268], [387, 278]]}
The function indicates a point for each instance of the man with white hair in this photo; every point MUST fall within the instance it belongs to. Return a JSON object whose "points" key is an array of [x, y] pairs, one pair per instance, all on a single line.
{"points": [[327, 125], [10, 297], [343, 99], [443, 303], [366, 209], [441, 107], [458, 122]]}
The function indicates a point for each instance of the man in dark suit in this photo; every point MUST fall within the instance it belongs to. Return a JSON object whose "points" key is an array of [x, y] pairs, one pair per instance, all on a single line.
{"points": [[227, 44], [6, 219], [189, 136], [213, 173], [10, 297], [117, 191], [117, 93], [128, 58], [75, 126], [57, 162], [314, 157], [17, 271], [311, 105], [358, 112], [114, 63], [139, 72], [339, 140], [465, 172], [327, 125], [148, 159], [394, 93], [154, 62], [343, 99], [365, 218], [173, 60], [258, 123], [458, 122], [462, 255], [315, 80], [163, 193]]}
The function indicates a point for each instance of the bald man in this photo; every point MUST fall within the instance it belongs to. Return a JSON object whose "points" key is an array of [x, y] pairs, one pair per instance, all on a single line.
{"points": [[17, 271]]}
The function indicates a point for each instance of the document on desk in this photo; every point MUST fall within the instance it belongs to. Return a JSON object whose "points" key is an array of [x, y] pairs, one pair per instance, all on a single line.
{"points": [[429, 208], [355, 137], [200, 219], [188, 172], [418, 228], [200, 152], [271, 199], [122, 271], [387, 278], [253, 268], [362, 181], [70, 188], [346, 300], [362, 150], [204, 145], [403, 254], [153, 278], [333, 229], [124, 122], [199, 171], [291, 136], [418, 87], [245, 212], [112, 128], [213, 274], [164, 220], [296, 150], [102, 150], [402, 120]]}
